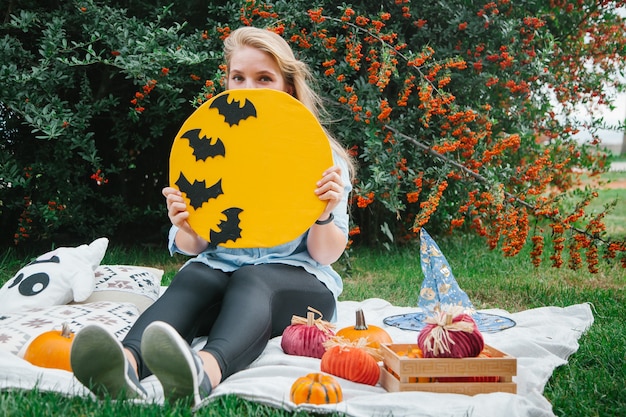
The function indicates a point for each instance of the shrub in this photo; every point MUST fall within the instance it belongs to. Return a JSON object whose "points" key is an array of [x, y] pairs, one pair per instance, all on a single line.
{"points": [[88, 93], [460, 115]]}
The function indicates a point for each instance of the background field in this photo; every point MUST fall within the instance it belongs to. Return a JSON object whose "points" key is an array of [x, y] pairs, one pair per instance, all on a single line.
{"points": [[592, 384]]}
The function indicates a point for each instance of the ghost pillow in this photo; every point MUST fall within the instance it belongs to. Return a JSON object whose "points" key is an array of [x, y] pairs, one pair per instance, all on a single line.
{"points": [[58, 277]]}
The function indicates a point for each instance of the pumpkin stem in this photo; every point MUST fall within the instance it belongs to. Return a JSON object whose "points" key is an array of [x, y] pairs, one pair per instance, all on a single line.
{"points": [[360, 320], [66, 331], [310, 318]]}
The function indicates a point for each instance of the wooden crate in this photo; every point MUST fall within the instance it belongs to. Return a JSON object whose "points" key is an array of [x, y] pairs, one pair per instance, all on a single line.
{"points": [[402, 373]]}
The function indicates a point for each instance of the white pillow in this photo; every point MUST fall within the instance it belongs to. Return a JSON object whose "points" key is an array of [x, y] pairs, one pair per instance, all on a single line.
{"points": [[139, 285], [18, 329], [55, 278]]}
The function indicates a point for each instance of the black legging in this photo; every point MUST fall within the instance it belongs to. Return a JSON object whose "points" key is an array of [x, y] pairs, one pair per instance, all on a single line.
{"points": [[238, 311]]}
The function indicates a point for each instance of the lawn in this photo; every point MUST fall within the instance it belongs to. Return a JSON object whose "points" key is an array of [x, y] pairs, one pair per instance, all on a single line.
{"points": [[592, 384]]}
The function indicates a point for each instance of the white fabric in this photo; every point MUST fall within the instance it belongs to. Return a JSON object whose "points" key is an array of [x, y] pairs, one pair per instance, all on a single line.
{"points": [[58, 277], [140, 285], [18, 330], [543, 339]]}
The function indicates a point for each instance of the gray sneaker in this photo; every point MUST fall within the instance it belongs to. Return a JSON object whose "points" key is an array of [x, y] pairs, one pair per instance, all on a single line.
{"points": [[99, 363], [175, 364]]}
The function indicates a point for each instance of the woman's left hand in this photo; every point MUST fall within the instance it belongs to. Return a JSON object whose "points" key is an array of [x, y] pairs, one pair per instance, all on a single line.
{"points": [[326, 242], [331, 189]]}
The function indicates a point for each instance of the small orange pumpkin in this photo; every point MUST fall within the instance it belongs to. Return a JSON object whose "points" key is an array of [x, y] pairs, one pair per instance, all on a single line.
{"points": [[375, 335], [316, 388], [51, 349], [411, 353]]}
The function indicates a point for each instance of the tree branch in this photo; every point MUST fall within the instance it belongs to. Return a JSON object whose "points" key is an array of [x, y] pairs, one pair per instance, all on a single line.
{"points": [[511, 197]]}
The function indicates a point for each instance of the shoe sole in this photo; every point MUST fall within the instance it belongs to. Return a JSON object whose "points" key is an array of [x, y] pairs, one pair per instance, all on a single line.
{"points": [[98, 362], [168, 357]]}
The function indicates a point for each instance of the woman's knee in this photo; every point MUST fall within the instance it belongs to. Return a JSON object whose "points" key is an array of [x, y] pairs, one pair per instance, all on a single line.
{"points": [[199, 278], [251, 276]]}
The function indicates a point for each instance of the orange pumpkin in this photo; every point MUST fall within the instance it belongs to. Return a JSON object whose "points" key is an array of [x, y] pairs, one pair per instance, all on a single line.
{"points": [[375, 335], [413, 353], [51, 349], [316, 388], [352, 363]]}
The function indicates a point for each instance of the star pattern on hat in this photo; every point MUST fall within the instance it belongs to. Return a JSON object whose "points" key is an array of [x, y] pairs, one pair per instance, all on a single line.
{"points": [[439, 287]]}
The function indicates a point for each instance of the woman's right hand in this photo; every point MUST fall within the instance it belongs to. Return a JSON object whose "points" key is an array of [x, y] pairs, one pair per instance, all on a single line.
{"points": [[186, 239], [176, 207]]}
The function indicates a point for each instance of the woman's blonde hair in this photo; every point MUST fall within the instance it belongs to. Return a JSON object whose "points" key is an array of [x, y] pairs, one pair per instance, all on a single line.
{"points": [[295, 72]]}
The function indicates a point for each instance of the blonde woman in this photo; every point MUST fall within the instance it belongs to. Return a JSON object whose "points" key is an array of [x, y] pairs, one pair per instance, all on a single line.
{"points": [[238, 298]]}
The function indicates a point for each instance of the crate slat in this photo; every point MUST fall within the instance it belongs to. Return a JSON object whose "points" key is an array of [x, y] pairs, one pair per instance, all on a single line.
{"points": [[401, 373]]}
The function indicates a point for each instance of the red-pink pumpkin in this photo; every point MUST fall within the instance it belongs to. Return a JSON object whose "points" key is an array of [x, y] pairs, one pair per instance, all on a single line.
{"points": [[306, 337], [450, 335]]}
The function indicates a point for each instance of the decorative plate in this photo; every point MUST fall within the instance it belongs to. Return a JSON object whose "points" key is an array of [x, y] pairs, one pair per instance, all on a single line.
{"points": [[487, 323]]}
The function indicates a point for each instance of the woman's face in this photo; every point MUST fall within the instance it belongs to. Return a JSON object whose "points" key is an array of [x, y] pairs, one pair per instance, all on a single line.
{"points": [[252, 68]]}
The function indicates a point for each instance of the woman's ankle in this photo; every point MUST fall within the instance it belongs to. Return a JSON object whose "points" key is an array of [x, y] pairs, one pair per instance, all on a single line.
{"points": [[211, 367], [131, 359]]}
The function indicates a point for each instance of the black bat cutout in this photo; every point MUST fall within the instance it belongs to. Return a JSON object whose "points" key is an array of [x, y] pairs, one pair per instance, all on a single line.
{"points": [[232, 112], [229, 228], [202, 147], [198, 193]]}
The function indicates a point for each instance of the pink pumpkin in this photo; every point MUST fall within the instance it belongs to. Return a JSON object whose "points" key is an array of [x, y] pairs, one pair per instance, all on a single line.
{"points": [[306, 337], [451, 334]]}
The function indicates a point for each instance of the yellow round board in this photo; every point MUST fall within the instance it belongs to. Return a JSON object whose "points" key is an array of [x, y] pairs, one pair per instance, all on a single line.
{"points": [[247, 162]]}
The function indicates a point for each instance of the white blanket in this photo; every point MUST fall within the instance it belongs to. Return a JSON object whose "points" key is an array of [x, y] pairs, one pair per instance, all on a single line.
{"points": [[543, 339]]}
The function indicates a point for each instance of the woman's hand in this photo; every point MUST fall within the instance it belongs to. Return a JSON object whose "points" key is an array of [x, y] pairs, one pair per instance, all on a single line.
{"points": [[176, 208], [330, 188], [186, 239], [326, 242]]}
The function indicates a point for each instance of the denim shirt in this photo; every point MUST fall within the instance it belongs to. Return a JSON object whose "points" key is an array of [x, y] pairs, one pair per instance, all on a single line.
{"points": [[292, 253]]}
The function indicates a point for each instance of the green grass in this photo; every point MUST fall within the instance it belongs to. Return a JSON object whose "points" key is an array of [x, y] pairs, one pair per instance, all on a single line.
{"points": [[612, 187], [42, 404], [591, 384]]}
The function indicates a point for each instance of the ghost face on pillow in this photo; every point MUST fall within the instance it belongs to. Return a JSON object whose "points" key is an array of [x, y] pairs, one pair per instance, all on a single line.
{"points": [[57, 277]]}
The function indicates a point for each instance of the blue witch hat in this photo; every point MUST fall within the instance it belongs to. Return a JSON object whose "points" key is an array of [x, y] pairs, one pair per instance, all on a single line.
{"points": [[440, 289]]}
